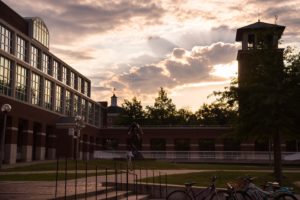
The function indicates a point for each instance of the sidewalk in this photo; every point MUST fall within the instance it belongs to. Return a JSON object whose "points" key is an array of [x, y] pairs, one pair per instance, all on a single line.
{"points": [[33, 190]]}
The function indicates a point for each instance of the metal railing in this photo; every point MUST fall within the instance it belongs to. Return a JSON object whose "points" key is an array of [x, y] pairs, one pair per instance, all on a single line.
{"points": [[112, 180], [194, 155]]}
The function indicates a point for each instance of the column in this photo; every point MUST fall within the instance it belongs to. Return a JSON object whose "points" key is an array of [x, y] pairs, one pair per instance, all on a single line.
{"points": [[91, 148], [219, 146], [51, 145], [11, 139], [27, 141], [85, 149], [40, 149]]}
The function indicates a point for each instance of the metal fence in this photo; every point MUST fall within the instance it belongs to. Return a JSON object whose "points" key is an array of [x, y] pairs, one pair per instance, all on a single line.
{"points": [[195, 155]]}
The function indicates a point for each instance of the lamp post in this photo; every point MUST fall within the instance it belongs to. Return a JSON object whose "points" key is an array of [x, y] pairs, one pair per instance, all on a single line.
{"points": [[78, 127], [6, 108]]}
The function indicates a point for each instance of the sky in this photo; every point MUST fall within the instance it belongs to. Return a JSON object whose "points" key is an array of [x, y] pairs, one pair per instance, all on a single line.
{"points": [[137, 46]]}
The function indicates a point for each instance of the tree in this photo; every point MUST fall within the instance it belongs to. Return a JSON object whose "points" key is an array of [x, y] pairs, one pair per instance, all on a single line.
{"points": [[163, 111], [216, 113], [185, 117], [268, 103], [133, 112]]}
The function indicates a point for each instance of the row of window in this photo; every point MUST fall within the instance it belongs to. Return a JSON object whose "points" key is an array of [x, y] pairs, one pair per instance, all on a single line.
{"points": [[44, 92], [159, 144], [42, 61]]}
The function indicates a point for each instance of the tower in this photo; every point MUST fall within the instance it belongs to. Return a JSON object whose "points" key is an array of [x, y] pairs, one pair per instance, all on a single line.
{"points": [[260, 52], [114, 100]]}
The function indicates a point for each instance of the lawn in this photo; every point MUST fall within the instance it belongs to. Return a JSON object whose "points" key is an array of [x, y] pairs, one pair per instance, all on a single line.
{"points": [[203, 178], [41, 177], [143, 164]]}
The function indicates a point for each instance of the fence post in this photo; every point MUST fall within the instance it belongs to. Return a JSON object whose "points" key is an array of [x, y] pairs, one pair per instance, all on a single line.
{"points": [[76, 178], [85, 195], [136, 192], [106, 183], [96, 183], [147, 180], [66, 174], [141, 188], [153, 181], [127, 182], [56, 177], [166, 182], [160, 192], [116, 182]]}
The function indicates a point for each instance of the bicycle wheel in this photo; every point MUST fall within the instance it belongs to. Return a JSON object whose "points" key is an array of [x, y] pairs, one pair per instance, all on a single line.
{"points": [[221, 195], [285, 197], [239, 195], [178, 195]]}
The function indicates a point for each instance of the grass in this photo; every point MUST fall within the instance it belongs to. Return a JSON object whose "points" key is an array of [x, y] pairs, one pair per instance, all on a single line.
{"points": [[143, 164], [203, 178]]}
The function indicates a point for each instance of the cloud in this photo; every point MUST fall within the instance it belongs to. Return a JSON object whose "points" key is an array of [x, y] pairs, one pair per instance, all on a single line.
{"points": [[160, 46], [78, 18], [178, 68]]}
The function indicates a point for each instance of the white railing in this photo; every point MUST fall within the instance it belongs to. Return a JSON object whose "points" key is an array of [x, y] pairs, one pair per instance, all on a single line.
{"points": [[194, 155]]}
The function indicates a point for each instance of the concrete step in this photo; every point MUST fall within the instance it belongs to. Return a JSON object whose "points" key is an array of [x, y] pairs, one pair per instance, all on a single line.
{"points": [[138, 197]]}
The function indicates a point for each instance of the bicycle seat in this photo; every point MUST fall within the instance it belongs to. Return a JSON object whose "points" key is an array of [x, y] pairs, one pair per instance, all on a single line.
{"points": [[189, 184]]}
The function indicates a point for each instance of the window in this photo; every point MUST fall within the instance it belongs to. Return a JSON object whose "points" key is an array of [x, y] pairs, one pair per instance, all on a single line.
{"points": [[182, 144], [64, 75], [158, 144], [84, 109], [91, 112], [97, 115], [58, 99], [48, 94], [21, 49], [85, 88], [68, 103], [79, 86], [40, 32], [72, 79], [55, 70], [35, 89], [5, 39], [207, 145], [46, 64], [232, 144], [5, 76], [21, 83], [76, 105], [34, 57]]}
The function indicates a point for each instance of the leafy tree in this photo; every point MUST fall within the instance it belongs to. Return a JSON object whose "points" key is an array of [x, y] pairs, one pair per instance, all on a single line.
{"points": [[133, 112], [185, 117], [216, 113], [268, 103], [163, 111]]}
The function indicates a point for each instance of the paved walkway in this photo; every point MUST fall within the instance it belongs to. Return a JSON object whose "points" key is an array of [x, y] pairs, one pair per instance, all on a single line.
{"points": [[33, 190]]}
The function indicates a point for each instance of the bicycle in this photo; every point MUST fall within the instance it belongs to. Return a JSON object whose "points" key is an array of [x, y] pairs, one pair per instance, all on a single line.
{"points": [[209, 193], [272, 191]]}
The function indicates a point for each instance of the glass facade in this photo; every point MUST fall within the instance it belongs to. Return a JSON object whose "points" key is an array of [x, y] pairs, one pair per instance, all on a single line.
{"points": [[55, 70], [76, 105], [40, 32], [58, 99], [64, 75], [79, 84], [5, 39], [85, 88], [34, 57], [91, 113], [35, 89], [68, 103], [46, 64], [72, 80], [48, 94], [5, 76], [21, 83], [31, 86], [84, 109], [97, 115], [21, 49]]}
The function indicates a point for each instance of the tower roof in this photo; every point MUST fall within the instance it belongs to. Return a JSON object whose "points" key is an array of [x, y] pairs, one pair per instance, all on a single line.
{"points": [[258, 26]]}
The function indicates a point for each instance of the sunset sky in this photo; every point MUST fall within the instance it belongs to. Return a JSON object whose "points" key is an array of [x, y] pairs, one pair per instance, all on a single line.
{"points": [[137, 46]]}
